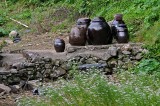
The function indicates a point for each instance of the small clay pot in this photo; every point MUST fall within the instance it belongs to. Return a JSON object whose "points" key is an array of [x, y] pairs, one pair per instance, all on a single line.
{"points": [[99, 32], [118, 19], [59, 45], [122, 35]]}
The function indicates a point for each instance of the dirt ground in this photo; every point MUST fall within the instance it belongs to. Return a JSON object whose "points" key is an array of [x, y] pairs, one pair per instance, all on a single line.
{"points": [[34, 42]]}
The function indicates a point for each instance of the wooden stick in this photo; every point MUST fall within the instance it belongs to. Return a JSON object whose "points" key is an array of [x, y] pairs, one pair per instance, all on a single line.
{"points": [[19, 22]]}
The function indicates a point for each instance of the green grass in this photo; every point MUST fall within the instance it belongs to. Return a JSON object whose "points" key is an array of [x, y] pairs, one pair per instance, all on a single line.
{"points": [[92, 89], [141, 16]]}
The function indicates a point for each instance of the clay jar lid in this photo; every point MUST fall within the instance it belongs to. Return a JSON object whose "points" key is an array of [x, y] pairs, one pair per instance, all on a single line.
{"points": [[81, 21], [118, 17], [98, 19]]}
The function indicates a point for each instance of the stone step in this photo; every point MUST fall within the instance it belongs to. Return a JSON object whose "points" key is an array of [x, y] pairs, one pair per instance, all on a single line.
{"points": [[8, 60], [33, 54]]}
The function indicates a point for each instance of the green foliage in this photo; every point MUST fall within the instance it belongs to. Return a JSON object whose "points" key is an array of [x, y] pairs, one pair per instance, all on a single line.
{"points": [[3, 32], [148, 66], [2, 20]]}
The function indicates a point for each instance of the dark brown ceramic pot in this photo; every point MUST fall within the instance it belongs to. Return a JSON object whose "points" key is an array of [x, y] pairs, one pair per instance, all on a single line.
{"points": [[122, 35], [118, 19], [99, 32], [59, 45], [78, 34]]}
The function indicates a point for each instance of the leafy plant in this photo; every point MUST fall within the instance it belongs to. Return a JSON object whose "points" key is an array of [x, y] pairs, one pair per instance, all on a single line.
{"points": [[148, 66], [3, 32], [3, 20]]}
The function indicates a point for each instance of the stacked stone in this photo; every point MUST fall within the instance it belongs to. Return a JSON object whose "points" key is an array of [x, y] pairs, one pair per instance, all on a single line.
{"points": [[109, 58]]}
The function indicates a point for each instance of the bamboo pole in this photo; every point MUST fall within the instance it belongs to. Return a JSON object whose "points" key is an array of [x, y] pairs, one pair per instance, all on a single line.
{"points": [[19, 22]]}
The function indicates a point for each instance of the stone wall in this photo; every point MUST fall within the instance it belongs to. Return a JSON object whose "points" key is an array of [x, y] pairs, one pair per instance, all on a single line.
{"points": [[43, 64]]}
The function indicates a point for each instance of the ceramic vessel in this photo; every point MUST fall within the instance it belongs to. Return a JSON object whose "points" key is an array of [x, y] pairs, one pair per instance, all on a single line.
{"points": [[78, 33], [122, 35], [118, 19], [59, 45], [99, 32]]}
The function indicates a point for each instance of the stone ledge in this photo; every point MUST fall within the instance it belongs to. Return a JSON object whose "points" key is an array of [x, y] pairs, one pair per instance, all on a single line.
{"points": [[41, 64]]}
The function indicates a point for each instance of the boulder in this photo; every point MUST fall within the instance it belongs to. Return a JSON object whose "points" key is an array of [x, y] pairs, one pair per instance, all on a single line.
{"points": [[4, 88]]}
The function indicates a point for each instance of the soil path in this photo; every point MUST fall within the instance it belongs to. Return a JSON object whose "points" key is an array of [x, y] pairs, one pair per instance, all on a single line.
{"points": [[34, 42]]}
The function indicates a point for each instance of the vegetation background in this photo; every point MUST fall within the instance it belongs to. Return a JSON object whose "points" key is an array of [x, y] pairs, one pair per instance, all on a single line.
{"points": [[137, 86]]}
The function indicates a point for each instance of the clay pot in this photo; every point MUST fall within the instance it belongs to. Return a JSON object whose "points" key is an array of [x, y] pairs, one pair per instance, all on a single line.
{"points": [[118, 19], [59, 45], [122, 35], [99, 32], [78, 34]]}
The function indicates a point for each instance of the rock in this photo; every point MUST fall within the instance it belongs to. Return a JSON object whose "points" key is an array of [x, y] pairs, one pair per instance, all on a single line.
{"points": [[34, 83], [48, 66], [15, 88], [18, 66], [57, 73], [145, 51], [113, 51], [90, 61], [33, 57], [106, 56], [113, 63], [95, 65], [126, 47], [57, 62], [70, 50], [15, 79], [138, 56], [13, 71], [126, 52], [120, 63], [60, 72], [108, 71], [13, 34], [135, 51], [101, 61], [25, 85], [4, 72], [4, 88]]}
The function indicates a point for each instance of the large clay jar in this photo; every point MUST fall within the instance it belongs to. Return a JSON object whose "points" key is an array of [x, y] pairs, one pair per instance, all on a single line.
{"points": [[122, 35], [59, 45], [99, 32], [78, 34]]}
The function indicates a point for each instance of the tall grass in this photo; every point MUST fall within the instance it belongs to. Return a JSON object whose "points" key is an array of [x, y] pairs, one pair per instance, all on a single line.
{"points": [[93, 89]]}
